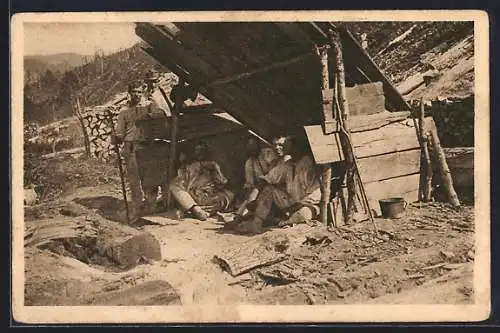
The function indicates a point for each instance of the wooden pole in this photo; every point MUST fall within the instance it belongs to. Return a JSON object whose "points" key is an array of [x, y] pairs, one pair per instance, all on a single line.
{"points": [[427, 184], [326, 172], [179, 100], [443, 169], [345, 135], [86, 140], [429, 172], [120, 166]]}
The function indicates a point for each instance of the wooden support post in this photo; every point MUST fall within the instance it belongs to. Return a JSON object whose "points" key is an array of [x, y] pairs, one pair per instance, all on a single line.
{"points": [[86, 140], [326, 173], [345, 135], [179, 100], [427, 184], [443, 169]]}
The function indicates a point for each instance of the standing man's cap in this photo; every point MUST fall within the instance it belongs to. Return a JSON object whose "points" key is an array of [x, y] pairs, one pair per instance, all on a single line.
{"points": [[152, 75]]}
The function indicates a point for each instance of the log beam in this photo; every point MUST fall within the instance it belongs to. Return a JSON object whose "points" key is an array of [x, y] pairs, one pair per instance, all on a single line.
{"points": [[427, 173], [326, 172], [179, 100], [345, 135], [443, 168]]}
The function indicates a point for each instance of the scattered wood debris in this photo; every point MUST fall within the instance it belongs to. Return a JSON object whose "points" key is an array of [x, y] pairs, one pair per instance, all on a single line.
{"points": [[317, 237]]}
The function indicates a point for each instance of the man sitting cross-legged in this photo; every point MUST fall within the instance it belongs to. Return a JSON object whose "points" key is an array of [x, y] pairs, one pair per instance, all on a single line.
{"points": [[291, 186], [199, 187], [260, 160]]}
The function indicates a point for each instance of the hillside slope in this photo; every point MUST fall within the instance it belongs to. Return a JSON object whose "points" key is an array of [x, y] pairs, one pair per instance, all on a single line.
{"points": [[404, 50], [94, 83]]}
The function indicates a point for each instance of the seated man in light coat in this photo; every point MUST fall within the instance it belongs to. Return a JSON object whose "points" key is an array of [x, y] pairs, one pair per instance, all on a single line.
{"points": [[292, 187], [199, 187]]}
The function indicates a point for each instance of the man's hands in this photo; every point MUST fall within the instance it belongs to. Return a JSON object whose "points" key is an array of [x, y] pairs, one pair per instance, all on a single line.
{"points": [[212, 166]]}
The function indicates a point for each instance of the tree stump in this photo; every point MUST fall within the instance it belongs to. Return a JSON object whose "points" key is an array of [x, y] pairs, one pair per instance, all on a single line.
{"points": [[94, 241]]}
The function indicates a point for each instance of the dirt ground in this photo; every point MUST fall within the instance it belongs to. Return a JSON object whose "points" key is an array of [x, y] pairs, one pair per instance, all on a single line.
{"points": [[425, 257]]}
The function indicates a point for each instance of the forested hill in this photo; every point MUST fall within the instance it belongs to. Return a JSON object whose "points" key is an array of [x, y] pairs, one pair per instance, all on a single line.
{"points": [[50, 97]]}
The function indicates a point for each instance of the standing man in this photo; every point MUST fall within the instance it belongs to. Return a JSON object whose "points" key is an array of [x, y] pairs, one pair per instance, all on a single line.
{"points": [[128, 133]]}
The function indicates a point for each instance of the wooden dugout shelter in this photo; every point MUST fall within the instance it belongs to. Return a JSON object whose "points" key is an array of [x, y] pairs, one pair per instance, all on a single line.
{"points": [[268, 76]]}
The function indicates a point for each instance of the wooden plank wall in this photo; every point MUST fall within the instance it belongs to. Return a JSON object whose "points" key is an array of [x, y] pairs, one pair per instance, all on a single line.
{"points": [[389, 162], [365, 99]]}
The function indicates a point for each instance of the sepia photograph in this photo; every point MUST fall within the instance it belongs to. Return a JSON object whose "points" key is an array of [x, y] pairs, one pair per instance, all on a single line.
{"points": [[250, 167]]}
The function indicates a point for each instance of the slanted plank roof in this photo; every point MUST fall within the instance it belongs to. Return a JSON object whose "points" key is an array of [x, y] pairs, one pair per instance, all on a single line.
{"points": [[265, 74]]}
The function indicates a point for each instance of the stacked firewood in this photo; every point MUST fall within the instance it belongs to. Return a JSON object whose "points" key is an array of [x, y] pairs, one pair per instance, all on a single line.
{"points": [[98, 127], [454, 119]]}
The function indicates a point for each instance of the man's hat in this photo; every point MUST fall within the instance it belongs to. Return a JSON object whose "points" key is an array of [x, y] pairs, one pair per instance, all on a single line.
{"points": [[152, 75]]}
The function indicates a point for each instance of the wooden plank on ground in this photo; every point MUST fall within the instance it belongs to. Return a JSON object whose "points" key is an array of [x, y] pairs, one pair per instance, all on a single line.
{"points": [[405, 186], [366, 99], [255, 253], [390, 165]]}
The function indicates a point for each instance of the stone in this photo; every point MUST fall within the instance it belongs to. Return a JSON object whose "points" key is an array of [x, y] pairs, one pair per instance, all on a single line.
{"points": [[30, 197], [129, 251], [447, 254]]}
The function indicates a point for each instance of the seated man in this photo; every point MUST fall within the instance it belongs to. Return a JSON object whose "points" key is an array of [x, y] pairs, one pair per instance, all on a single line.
{"points": [[292, 187], [260, 161], [199, 185]]}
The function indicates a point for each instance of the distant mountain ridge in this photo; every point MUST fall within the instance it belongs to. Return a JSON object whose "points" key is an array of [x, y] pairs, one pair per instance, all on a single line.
{"points": [[59, 62], [95, 80]]}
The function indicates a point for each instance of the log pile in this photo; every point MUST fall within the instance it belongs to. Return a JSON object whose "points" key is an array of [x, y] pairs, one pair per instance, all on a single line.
{"points": [[98, 128], [454, 119]]}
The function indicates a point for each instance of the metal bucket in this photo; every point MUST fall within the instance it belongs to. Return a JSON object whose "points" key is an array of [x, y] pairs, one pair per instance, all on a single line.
{"points": [[392, 208]]}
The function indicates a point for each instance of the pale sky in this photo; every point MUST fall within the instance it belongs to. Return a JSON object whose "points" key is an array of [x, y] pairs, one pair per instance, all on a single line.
{"points": [[82, 38]]}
